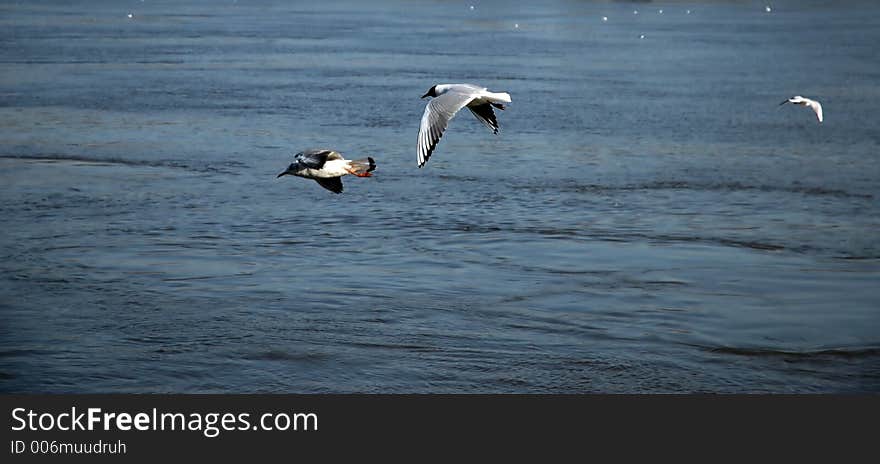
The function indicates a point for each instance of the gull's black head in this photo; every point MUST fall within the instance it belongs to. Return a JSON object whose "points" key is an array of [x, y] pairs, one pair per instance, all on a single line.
{"points": [[291, 170], [432, 92]]}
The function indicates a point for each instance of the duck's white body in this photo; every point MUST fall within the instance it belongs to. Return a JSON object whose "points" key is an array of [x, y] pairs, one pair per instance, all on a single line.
{"points": [[331, 168], [327, 167]]}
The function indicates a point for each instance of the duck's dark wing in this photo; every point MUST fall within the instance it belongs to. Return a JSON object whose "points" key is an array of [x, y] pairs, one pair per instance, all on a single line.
{"points": [[315, 159], [333, 184]]}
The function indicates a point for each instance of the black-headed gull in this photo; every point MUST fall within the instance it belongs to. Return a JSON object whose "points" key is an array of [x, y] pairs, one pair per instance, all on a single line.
{"points": [[799, 100], [327, 167], [447, 100]]}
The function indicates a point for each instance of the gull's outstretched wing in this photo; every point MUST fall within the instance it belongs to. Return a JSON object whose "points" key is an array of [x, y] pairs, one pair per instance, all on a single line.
{"points": [[438, 112], [817, 107]]}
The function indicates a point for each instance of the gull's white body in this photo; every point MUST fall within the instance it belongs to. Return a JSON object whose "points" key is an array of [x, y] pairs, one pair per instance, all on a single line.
{"points": [[812, 104], [479, 94], [448, 100]]}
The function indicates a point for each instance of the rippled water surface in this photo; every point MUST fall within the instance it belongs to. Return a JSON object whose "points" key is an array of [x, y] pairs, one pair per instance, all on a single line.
{"points": [[648, 219]]}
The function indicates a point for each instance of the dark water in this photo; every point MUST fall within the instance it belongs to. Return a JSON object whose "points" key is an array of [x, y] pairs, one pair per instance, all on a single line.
{"points": [[648, 219]]}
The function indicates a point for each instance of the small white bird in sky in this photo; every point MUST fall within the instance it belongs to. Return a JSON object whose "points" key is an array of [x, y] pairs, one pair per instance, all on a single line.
{"points": [[327, 167], [813, 104], [447, 100]]}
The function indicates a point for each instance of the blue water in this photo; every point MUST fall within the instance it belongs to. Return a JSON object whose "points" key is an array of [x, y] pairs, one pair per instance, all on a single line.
{"points": [[647, 220]]}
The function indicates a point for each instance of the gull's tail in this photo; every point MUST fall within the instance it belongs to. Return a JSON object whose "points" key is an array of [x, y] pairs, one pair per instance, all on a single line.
{"points": [[362, 167], [499, 97]]}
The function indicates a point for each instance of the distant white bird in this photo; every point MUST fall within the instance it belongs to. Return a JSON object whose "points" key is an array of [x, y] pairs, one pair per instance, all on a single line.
{"points": [[799, 100], [447, 100], [327, 167]]}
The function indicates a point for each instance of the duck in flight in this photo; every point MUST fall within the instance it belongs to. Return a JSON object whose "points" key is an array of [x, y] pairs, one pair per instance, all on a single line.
{"points": [[327, 167], [447, 100], [813, 104]]}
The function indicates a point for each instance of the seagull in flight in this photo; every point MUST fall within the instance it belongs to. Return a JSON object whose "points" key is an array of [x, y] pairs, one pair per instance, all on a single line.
{"points": [[327, 167], [799, 100], [447, 100]]}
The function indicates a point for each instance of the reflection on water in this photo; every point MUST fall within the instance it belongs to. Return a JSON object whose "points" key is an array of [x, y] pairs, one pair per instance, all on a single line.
{"points": [[648, 220]]}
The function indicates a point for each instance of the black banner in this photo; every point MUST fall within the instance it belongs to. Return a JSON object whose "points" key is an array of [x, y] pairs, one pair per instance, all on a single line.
{"points": [[63, 427]]}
